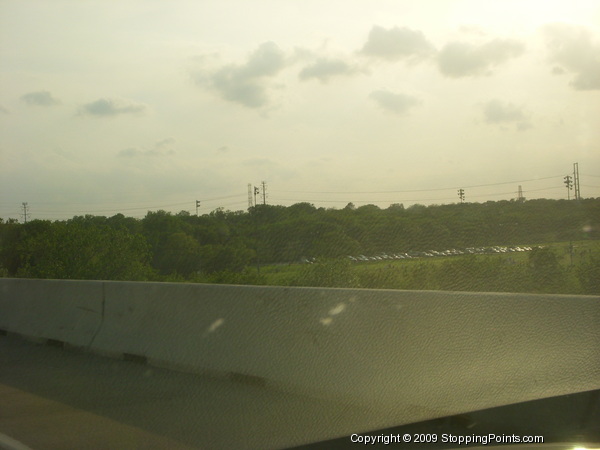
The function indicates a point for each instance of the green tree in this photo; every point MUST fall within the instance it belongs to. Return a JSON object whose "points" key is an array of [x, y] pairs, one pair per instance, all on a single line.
{"points": [[546, 272], [181, 254], [588, 273], [82, 250], [233, 257]]}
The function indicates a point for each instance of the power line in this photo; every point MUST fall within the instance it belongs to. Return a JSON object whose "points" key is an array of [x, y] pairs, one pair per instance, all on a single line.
{"points": [[105, 202], [396, 200], [71, 207], [120, 209], [53, 213], [421, 190], [149, 207]]}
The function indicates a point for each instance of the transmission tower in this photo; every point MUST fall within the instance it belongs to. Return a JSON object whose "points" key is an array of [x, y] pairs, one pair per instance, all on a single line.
{"points": [[520, 197], [250, 205], [197, 206], [25, 212], [569, 184], [576, 181], [461, 195]]}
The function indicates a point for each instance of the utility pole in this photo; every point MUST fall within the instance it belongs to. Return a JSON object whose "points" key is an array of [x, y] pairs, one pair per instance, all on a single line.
{"points": [[25, 212], [264, 192], [461, 195], [256, 191], [569, 184], [254, 214], [197, 206], [576, 181]]}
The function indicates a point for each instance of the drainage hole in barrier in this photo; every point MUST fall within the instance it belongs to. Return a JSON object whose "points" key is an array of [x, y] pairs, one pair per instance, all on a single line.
{"points": [[135, 358]]}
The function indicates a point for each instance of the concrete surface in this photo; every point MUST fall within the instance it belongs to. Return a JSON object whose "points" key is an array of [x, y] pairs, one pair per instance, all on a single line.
{"points": [[51, 398]]}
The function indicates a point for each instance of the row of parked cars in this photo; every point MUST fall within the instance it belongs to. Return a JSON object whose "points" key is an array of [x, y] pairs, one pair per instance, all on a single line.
{"points": [[435, 253]]}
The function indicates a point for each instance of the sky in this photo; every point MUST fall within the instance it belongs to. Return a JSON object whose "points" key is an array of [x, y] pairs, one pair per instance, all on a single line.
{"points": [[113, 107]]}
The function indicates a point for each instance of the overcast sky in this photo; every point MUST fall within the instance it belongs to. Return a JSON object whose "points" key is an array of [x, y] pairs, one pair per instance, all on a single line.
{"points": [[131, 106]]}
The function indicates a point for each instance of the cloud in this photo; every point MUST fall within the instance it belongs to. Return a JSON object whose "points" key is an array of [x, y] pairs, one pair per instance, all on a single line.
{"points": [[574, 51], [129, 152], [258, 162], [105, 107], [135, 152], [397, 44], [40, 98], [3, 110], [246, 84], [395, 103], [460, 59], [323, 69], [160, 148], [472, 29], [496, 112], [165, 142]]}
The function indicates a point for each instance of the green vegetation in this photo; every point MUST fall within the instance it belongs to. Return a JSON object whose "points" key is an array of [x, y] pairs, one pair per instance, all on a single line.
{"points": [[267, 244], [543, 270]]}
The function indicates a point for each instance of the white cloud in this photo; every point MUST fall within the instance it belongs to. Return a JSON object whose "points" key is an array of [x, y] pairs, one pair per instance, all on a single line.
{"points": [[246, 84], [105, 107], [461, 59], [323, 69], [397, 44], [396, 103], [498, 113], [574, 51], [40, 98]]}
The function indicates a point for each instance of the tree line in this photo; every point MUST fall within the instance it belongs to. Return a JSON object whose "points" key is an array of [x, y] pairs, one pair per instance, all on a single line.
{"points": [[225, 246]]}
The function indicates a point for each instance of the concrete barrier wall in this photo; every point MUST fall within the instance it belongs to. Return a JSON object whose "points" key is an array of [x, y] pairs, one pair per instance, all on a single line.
{"points": [[416, 354], [62, 310]]}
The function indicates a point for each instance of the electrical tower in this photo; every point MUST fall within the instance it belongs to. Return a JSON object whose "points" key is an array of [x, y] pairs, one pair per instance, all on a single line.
{"points": [[250, 204], [197, 206], [576, 181], [569, 184], [461, 195], [25, 212], [520, 197]]}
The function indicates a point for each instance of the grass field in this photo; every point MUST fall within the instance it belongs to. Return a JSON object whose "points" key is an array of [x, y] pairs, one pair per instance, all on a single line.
{"points": [[285, 274]]}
